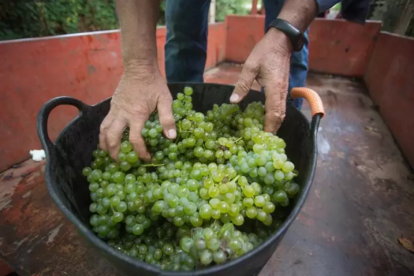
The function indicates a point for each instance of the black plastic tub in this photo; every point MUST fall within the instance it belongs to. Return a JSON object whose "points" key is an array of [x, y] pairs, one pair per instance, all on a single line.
{"points": [[73, 148]]}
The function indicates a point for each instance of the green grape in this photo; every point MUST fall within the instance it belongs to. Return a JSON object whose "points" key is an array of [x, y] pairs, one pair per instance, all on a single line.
{"points": [[121, 156], [196, 221], [262, 171], [86, 171], [215, 214], [233, 210], [248, 191], [223, 188], [248, 202], [238, 220], [261, 215], [125, 166], [292, 189], [178, 221], [122, 207], [115, 200], [280, 196], [224, 207], [260, 160], [192, 185], [251, 212], [117, 217], [259, 201], [288, 167], [93, 187], [229, 197], [289, 176], [214, 203], [190, 208], [126, 147], [132, 157], [213, 244], [208, 233], [256, 187], [204, 193], [278, 163], [186, 244], [213, 191], [188, 91], [208, 183], [183, 192], [269, 207], [243, 181], [206, 257], [268, 220], [205, 211], [219, 257], [168, 249], [137, 229], [158, 206], [269, 179], [118, 177]]}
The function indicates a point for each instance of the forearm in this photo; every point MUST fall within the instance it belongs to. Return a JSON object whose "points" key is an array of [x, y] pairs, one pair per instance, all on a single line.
{"points": [[299, 13], [137, 21]]}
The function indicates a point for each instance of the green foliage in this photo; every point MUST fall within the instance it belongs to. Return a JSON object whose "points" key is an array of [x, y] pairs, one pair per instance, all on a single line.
{"points": [[225, 7], [32, 18]]}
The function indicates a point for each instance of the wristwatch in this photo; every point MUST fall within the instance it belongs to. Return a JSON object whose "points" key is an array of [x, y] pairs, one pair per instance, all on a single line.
{"points": [[296, 37]]}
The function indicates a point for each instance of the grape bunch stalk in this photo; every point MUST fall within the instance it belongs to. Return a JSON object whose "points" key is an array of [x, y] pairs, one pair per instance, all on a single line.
{"points": [[200, 194]]}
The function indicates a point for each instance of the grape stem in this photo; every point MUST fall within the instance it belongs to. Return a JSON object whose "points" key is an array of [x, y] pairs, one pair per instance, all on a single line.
{"points": [[235, 179], [153, 165]]}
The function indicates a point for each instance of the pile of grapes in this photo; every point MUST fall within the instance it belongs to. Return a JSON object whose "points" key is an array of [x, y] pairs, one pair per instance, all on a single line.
{"points": [[211, 195]]}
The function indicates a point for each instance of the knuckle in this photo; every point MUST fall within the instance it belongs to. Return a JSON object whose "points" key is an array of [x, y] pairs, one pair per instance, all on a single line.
{"points": [[243, 85], [249, 67]]}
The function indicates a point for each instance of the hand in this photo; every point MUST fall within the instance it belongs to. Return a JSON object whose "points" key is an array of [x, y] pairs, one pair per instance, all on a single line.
{"points": [[269, 64], [140, 91]]}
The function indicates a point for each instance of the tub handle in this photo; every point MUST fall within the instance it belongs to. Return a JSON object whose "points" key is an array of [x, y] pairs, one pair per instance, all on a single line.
{"points": [[312, 97], [43, 117]]}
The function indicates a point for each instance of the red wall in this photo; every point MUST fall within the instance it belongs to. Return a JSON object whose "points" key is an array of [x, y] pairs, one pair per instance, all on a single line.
{"points": [[390, 81], [336, 46], [85, 66]]}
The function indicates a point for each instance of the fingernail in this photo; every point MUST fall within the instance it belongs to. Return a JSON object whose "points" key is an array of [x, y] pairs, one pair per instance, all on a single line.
{"points": [[234, 98], [172, 134]]}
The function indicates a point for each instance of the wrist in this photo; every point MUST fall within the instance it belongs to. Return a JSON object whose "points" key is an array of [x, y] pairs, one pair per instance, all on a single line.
{"points": [[141, 68], [281, 40]]}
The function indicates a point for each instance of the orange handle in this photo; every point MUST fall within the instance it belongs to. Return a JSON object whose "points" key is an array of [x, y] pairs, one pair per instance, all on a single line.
{"points": [[312, 97]]}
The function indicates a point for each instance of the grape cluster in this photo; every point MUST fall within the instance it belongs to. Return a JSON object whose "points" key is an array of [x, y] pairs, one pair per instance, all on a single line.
{"points": [[222, 171], [184, 248]]}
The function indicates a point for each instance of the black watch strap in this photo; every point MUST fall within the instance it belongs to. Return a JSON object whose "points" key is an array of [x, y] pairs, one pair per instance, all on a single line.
{"points": [[296, 37]]}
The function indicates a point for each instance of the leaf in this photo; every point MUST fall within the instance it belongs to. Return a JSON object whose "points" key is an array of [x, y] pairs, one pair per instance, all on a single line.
{"points": [[407, 244]]}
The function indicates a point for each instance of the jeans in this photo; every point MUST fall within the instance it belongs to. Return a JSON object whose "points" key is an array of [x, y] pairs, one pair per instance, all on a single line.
{"points": [[186, 45]]}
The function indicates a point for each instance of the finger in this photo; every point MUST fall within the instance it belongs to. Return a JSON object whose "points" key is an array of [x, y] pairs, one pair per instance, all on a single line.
{"points": [[137, 141], [165, 114], [244, 83], [114, 135], [103, 130], [275, 106]]}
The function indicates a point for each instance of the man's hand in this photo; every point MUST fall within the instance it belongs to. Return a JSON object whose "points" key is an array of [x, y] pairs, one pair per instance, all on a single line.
{"points": [[269, 64], [140, 91]]}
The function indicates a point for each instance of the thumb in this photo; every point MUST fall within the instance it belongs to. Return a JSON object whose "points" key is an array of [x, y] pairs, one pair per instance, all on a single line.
{"points": [[165, 115], [244, 83]]}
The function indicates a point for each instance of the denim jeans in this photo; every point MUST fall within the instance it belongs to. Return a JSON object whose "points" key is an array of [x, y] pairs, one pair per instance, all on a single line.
{"points": [[186, 45]]}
